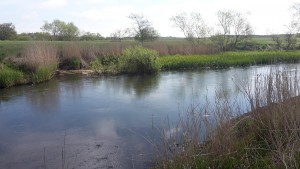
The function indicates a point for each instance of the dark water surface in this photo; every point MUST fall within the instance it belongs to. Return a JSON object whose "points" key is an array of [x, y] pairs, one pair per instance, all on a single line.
{"points": [[104, 122]]}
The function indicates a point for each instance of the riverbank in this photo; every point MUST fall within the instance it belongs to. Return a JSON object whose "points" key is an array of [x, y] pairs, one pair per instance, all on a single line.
{"points": [[38, 62], [222, 136], [228, 59]]}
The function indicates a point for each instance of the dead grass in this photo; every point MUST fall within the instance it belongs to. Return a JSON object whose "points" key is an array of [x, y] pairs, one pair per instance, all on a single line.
{"points": [[36, 56], [222, 135]]}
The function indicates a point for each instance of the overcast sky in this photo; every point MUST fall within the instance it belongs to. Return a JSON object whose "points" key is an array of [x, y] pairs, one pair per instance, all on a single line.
{"points": [[105, 16]]}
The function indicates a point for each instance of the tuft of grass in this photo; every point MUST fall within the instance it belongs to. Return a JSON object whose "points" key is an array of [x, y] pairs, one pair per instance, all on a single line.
{"points": [[10, 77], [42, 74]]}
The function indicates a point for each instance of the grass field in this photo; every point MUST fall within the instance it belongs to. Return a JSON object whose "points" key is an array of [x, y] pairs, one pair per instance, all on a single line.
{"points": [[228, 59]]}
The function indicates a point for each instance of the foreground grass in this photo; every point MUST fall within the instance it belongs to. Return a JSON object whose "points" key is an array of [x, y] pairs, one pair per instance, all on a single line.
{"points": [[266, 137], [228, 59]]}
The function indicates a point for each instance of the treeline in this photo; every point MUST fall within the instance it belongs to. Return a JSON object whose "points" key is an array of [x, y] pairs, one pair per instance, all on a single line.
{"points": [[55, 31], [232, 32]]}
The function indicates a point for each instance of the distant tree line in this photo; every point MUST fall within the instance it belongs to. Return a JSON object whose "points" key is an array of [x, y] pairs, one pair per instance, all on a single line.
{"points": [[233, 31]]}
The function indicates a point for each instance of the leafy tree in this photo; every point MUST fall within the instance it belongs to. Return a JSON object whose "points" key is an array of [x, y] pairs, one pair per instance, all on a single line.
{"points": [[7, 31], [59, 30], [193, 27], [88, 36], [142, 28], [24, 37]]}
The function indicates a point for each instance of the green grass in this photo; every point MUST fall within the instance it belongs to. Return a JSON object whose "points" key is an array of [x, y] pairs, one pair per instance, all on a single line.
{"points": [[10, 77], [43, 74], [228, 59]]}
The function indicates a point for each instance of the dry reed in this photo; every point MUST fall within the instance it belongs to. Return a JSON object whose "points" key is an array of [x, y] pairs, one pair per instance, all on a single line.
{"points": [[37, 56], [223, 135]]}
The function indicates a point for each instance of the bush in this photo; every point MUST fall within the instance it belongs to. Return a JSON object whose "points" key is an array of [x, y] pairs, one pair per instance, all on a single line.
{"points": [[139, 60], [106, 65]]}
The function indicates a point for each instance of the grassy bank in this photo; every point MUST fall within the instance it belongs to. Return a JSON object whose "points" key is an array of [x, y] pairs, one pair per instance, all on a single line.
{"points": [[219, 135], [39, 61], [228, 59], [36, 63]]}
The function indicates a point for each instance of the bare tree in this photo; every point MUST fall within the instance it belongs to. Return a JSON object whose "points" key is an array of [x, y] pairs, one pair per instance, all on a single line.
{"points": [[234, 28], [296, 16], [194, 28], [142, 28], [291, 36], [278, 40], [119, 34]]}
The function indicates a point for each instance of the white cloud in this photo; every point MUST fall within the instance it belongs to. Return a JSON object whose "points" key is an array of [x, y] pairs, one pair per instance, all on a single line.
{"points": [[52, 4], [30, 16], [92, 14]]}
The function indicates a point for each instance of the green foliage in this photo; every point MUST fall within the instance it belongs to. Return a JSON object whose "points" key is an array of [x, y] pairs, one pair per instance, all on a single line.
{"points": [[61, 31], [135, 60], [42, 74], [7, 31], [139, 60], [71, 63], [91, 37], [23, 37], [10, 77], [227, 59], [106, 65]]}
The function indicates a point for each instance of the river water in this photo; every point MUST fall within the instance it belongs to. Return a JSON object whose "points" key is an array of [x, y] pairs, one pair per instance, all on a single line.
{"points": [[102, 122]]}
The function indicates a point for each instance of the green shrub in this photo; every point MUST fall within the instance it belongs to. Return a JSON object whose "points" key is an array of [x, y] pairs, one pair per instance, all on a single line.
{"points": [[139, 60], [106, 65], [10, 77]]}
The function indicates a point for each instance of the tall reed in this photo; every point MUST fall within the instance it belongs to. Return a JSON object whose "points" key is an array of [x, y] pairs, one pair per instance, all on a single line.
{"points": [[39, 60], [39, 55]]}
